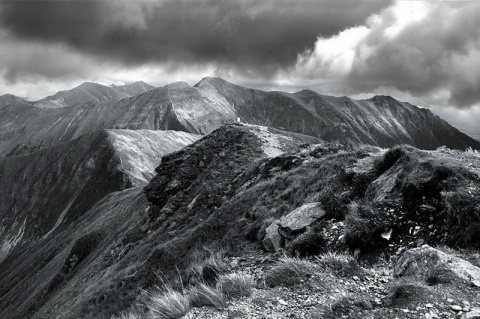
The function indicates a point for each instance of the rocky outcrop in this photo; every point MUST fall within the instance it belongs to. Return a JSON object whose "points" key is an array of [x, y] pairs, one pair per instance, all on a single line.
{"points": [[292, 225], [272, 240], [296, 222], [434, 266]]}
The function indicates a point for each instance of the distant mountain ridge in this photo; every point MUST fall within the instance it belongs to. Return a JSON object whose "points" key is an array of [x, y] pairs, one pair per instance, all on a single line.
{"points": [[92, 92], [213, 102]]}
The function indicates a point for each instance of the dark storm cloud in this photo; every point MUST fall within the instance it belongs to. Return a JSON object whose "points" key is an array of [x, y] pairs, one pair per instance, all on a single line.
{"points": [[251, 35]]}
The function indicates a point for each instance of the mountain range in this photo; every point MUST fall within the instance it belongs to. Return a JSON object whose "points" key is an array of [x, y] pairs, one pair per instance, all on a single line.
{"points": [[381, 120], [110, 191]]}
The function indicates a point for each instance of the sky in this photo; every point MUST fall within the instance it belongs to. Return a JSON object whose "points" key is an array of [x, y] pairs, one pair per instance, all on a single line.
{"points": [[423, 52]]}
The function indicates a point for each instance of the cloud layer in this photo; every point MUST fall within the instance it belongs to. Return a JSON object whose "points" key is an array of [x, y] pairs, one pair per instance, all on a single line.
{"points": [[257, 35], [429, 49]]}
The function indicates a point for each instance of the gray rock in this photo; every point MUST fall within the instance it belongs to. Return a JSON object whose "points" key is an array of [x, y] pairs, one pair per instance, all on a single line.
{"points": [[432, 264], [272, 240], [472, 314], [297, 221]]}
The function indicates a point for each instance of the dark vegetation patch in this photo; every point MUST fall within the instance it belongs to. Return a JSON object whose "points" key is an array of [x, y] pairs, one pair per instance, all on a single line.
{"points": [[412, 198], [408, 292]]}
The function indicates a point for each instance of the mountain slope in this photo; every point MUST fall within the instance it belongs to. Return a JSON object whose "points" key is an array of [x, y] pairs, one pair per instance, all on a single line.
{"points": [[115, 222], [54, 186], [92, 92], [226, 188], [381, 121]]}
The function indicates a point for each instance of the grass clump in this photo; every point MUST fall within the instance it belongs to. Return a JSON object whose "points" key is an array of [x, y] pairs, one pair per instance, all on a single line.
{"points": [[290, 272], [408, 291], [205, 295], [236, 285], [170, 304], [206, 269], [340, 264]]}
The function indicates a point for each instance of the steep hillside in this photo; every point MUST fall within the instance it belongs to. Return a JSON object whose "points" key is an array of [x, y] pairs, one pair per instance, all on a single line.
{"points": [[120, 224], [54, 186], [92, 92], [233, 187], [380, 121]]}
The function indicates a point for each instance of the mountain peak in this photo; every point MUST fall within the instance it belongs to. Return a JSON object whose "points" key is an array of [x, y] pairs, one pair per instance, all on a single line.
{"points": [[10, 97], [384, 98], [215, 81], [178, 85]]}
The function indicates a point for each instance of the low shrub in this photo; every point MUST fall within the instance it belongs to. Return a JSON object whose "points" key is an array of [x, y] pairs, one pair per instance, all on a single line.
{"points": [[364, 225]]}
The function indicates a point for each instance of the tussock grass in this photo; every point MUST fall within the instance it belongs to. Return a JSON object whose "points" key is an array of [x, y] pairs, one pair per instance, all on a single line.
{"points": [[205, 295], [408, 291], [236, 285], [206, 269], [170, 304], [290, 272]]}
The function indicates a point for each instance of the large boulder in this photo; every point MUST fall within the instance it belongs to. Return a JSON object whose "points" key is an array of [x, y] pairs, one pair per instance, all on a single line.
{"points": [[297, 221], [272, 241], [473, 314], [291, 226], [433, 265]]}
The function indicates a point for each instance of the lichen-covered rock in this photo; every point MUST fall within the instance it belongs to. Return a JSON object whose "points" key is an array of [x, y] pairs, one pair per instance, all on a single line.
{"points": [[433, 265]]}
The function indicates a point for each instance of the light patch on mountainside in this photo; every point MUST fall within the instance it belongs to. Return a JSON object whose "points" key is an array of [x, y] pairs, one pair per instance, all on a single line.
{"points": [[9, 243], [199, 109], [140, 151], [51, 104], [272, 144], [61, 216]]}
